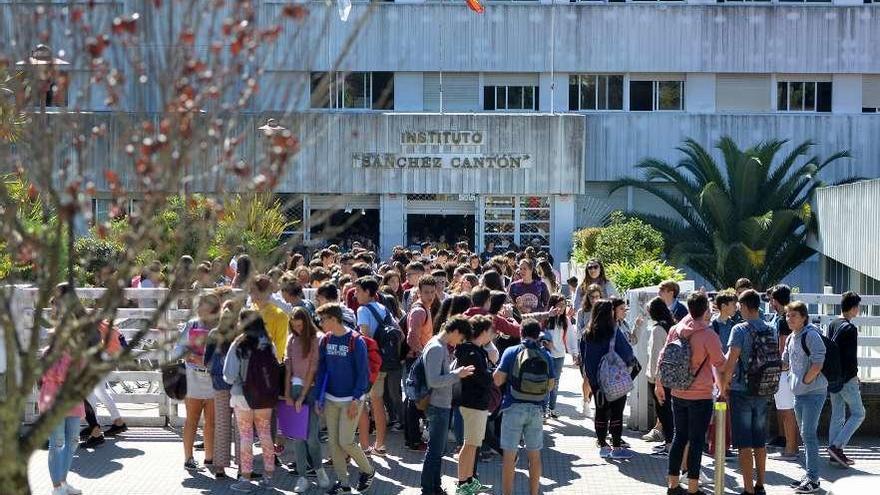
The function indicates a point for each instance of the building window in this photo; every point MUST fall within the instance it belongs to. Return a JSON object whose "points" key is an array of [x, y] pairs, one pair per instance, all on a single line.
{"points": [[595, 92], [510, 98], [522, 221], [353, 90], [803, 96], [871, 93], [647, 96]]}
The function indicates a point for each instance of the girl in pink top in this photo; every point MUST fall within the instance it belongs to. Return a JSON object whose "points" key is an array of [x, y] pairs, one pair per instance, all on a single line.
{"points": [[63, 439]]}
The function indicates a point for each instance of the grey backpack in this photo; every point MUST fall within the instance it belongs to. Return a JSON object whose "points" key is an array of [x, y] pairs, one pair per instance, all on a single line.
{"points": [[675, 364]]}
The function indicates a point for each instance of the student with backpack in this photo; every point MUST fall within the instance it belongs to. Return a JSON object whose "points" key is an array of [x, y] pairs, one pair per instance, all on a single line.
{"points": [[845, 334], [375, 321], [751, 378], [779, 296], [251, 368], [440, 377], [420, 327], [605, 357], [527, 369], [805, 353], [689, 366], [342, 382], [661, 323]]}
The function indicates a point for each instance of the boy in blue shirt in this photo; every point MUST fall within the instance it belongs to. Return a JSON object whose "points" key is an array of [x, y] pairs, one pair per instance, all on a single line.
{"points": [[522, 417]]}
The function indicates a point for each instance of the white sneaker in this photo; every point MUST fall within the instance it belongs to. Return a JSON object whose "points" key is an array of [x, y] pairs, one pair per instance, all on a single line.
{"points": [[59, 490], [323, 480], [302, 485], [71, 490], [653, 436], [704, 480], [585, 408]]}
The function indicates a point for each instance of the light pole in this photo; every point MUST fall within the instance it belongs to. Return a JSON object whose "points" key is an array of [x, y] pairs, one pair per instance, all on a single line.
{"points": [[43, 65]]}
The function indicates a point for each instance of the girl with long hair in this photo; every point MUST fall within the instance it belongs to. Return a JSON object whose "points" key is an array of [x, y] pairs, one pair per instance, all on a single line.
{"points": [[451, 306], [601, 335], [595, 274], [548, 276], [582, 321], [556, 327], [301, 365], [661, 322], [392, 279]]}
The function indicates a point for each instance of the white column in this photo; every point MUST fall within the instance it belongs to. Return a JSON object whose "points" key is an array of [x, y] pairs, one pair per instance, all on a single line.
{"points": [[409, 91], [392, 222], [699, 93], [846, 93], [561, 226]]}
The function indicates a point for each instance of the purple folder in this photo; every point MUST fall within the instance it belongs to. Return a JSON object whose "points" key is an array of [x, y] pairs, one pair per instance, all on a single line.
{"points": [[291, 423]]}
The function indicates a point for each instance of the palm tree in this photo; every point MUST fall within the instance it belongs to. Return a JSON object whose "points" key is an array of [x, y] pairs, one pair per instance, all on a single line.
{"points": [[12, 121], [747, 219]]}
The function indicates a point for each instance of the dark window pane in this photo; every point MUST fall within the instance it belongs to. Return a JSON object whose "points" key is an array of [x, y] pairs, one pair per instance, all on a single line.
{"points": [[489, 98], [796, 96], [615, 92], [383, 91], [537, 92], [782, 96], [670, 95], [869, 110], [356, 90], [823, 97], [573, 96], [514, 97], [809, 96], [602, 93], [588, 92], [320, 95], [641, 96], [529, 98], [501, 97]]}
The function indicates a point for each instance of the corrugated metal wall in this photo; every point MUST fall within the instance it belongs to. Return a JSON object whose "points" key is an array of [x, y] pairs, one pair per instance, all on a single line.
{"points": [[849, 225]]}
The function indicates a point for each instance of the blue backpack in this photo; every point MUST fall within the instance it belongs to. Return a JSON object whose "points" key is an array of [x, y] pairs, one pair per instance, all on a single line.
{"points": [[217, 361], [416, 385]]}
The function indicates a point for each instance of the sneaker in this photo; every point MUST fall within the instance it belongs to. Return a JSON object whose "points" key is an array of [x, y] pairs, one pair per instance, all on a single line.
{"points": [[808, 487], [85, 433], [243, 485], [464, 489], [380, 450], [338, 489], [323, 480], [786, 456], [59, 490], [795, 484], [729, 454], [71, 490], [191, 465], [552, 414], [115, 430], [302, 485], [584, 410], [621, 454], [654, 436], [365, 481], [605, 452], [92, 442], [420, 447], [199, 445], [760, 490], [479, 487], [839, 457]]}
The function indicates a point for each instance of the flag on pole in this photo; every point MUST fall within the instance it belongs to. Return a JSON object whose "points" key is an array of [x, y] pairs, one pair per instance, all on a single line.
{"points": [[344, 7], [476, 6]]}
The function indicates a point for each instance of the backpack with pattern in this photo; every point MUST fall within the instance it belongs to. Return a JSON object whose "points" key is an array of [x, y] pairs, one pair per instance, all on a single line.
{"points": [[530, 375], [615, 380], [674, 369], [765, 364]]}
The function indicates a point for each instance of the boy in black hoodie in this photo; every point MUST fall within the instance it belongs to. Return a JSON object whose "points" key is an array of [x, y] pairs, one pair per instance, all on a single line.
{"points": [[474, 403]]}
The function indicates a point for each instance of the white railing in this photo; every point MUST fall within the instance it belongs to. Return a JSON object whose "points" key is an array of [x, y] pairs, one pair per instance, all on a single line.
{"points": [[142, 386], [823, 309]]}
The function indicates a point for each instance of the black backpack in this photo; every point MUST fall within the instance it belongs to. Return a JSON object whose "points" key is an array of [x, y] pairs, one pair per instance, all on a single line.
{"points": [[389, 338], [765, 364], [831, 368], [530, 375], [264, 381]]}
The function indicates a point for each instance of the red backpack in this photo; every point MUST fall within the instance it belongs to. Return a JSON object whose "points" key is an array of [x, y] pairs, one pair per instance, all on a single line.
{"points": [[374, 358]]}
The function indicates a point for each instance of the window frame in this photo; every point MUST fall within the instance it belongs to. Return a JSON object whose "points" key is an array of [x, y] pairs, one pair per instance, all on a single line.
{"points": [[785, 90], [338, 91], [655, 95], [497, 90], [597, 81]]}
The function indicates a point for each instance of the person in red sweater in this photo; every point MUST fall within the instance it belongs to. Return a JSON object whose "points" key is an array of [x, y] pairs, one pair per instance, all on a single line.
{"points": [[490, 303]]}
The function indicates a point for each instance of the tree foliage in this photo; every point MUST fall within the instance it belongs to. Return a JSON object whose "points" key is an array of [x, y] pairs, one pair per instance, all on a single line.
{"points": [[748, 216], [627, 240], [256, 222], [645, 273]]}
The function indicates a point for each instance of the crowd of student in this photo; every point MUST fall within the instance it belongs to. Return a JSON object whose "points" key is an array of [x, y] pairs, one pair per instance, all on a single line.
{"points": [[433, 341]]}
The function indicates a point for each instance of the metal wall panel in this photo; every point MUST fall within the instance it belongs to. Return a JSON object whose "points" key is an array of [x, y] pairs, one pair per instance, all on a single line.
{"points": [[616, 142], [586, 38], [849, 225]]}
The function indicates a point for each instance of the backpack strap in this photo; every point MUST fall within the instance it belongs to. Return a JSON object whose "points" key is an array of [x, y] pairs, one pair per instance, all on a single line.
{"points": [[379, 321], [804, 343]]}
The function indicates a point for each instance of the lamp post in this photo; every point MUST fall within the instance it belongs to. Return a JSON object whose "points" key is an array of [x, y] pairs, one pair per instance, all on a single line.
{"points": [[43, 65], [271, 127]]}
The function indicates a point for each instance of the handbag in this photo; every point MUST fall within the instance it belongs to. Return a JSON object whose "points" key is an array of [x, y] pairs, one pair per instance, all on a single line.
{"points": [[174, 380], [636, 368]]}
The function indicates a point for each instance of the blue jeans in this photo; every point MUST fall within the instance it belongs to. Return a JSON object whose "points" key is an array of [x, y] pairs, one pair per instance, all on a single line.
{"points": [[522, 422], [842, 429], [558, 363], [807, 409], [748, 420], [432, 468], [691, 418], [310, 448], [62, 444], [458, 426]]}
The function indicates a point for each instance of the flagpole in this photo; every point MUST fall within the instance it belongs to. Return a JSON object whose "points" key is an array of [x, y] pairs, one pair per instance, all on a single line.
{"points": [[552, 59], [441, 64]]}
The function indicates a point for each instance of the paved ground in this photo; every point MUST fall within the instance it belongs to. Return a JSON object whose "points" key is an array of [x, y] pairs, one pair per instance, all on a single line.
{"points": [[149, 461]]}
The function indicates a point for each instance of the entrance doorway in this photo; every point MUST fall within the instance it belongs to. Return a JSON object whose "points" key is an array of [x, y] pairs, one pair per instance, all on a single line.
{"points": [[343, 227], [439, 229]]}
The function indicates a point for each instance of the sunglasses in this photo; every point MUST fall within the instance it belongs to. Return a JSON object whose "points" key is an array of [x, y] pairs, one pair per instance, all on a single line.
{"points": [[593, 267]]}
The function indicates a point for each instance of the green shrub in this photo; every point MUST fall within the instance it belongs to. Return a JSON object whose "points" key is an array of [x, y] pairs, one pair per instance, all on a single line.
{"points": [[92, 254], [256, 222], [627, 240], [628, 276], [585, 244]]}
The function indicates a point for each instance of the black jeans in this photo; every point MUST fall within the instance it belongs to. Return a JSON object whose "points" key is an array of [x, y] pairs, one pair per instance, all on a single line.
{"points": [[91, 417], [691, 418], [412, 433], [664, 412], [609, 418]]}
